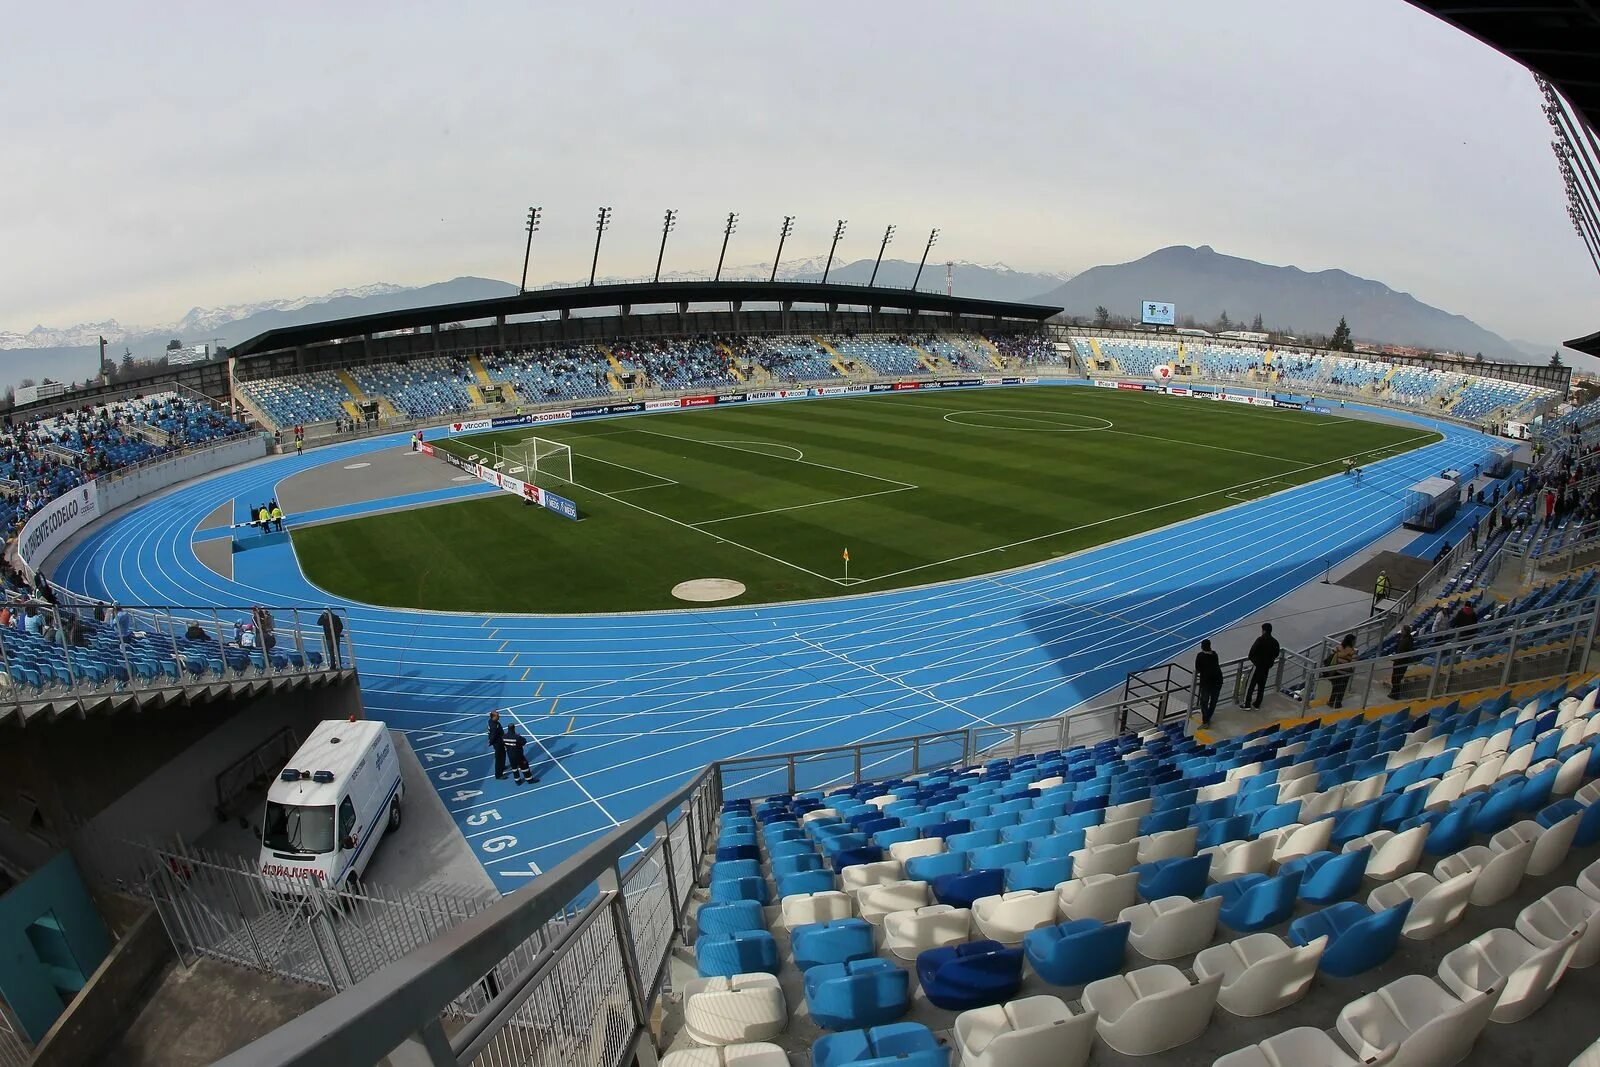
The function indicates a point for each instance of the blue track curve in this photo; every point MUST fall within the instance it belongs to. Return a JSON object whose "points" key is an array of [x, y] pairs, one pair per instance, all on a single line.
{"points": [[621, 707]]}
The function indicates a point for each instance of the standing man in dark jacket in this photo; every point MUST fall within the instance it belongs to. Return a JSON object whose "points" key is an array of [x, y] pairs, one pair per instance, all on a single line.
{"points": [[1404, 642], [1263, 654], [1207, 681], [497, 741]]}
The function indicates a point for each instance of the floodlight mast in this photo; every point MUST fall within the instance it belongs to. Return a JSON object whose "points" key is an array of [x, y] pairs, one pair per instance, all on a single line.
{"points": [[838, 232], [534, 215], [666, 228], [888, 234], [727, 232], [932, 237], [602, 222], [783, 235]]}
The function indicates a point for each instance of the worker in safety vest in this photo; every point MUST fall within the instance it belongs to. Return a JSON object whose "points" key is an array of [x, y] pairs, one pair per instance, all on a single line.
{"points": [[277, 518], [1380, 590]]}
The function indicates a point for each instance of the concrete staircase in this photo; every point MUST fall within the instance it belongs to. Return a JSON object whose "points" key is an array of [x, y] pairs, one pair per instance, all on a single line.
{"points": [[480, 373], [1101, 357], [836, 360], [351, 387], [933, 363], [993, 353]]}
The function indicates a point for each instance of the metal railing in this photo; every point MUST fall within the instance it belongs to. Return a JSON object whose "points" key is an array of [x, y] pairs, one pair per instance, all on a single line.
{"points": [[588, 996], [81, 649]]}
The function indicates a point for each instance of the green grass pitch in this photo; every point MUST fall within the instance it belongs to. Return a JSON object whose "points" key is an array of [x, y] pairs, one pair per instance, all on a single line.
{"points": [[919, 487]]}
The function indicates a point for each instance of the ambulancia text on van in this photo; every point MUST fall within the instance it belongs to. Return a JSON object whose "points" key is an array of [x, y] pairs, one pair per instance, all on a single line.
{"points": [[328, 809]]}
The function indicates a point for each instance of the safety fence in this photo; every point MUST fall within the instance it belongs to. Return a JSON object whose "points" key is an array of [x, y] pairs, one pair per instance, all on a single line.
{"points": [[14, 1048], [588, 994], [75, 648]]}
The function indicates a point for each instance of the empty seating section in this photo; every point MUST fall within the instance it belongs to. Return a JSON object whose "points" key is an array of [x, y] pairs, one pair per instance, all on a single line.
{"points": [[574, 372], [998, 903], [1140, 357], [420, 389], [1463, 395], [884, 355], [296, 399]]}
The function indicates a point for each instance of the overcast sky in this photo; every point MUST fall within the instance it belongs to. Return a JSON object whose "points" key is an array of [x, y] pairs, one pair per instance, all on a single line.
{"points": [[163, 156]]}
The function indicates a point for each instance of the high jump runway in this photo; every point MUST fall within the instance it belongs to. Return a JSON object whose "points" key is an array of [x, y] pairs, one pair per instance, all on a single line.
{"points": [[620, 708]]}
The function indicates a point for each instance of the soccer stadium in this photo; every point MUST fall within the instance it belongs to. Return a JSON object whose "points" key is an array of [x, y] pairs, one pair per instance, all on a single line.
{"points": [[784, 672]]}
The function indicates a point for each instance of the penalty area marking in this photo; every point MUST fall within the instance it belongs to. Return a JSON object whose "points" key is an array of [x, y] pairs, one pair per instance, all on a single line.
{"points": [[797, 455], [1009, 418]]}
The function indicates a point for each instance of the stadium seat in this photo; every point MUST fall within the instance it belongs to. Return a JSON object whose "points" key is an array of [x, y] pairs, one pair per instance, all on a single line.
{"points": [[1104, 896], [1436, 905], [1499, 872], [1183, 877], [1260, 972], [1393, 854], [961, 890], [1299, 1047], [751, 1054], [900, 1044], [1413, 1019], [740, 952], [729, 918], [1255, 901], [970, 975], [1327, 876], [1151, 1009], [1170, 927], [1502, 964], [805, 909], [836, 941], [1028, 1032], [736, 1008], [859, 994], [908, 934], [1564, 909], [877, 901], [1358, 939], [1077, 952]]}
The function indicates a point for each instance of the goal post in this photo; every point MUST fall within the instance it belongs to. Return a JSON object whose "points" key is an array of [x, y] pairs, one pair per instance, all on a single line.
{"points": [[533, 459]]}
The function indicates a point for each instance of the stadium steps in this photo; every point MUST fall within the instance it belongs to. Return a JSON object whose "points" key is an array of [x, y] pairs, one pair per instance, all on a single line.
{"points": [[616, 364], [476, 393], [733, 362], [1111, 361], [387, 409], [614, 381], [927, 359], [351, 409], [350, 385], [253, 409], [994, 353], [480, 374]]}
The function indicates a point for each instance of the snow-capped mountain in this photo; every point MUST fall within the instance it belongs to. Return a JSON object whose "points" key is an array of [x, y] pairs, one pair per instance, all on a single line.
{"points": [[197, 321]]}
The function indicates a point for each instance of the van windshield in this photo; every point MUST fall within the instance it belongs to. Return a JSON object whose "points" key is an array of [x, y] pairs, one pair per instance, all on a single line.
{"points": [[297, 828]]}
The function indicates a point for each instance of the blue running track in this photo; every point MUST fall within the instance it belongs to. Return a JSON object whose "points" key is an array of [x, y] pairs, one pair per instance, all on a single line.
{"points": [[621, 707]]}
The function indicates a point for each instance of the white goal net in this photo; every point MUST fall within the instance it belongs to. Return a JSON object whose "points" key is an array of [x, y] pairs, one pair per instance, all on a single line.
{"points": [[536, 459]]}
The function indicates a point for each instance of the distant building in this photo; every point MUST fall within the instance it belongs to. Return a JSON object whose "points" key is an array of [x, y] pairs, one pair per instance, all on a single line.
{"points": [[1243, 335], [45, 390], [195, 354]]}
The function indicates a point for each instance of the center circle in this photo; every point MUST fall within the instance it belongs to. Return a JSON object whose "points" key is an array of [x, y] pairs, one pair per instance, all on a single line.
{"points": [[1028, 420]]}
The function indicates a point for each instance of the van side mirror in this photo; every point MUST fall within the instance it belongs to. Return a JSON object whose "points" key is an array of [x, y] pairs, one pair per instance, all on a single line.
{"points": [[350, 841]]}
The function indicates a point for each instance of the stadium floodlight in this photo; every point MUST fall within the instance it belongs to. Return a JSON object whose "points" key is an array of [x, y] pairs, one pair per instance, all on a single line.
{"points": [[600, 226], [783, 235], [534, 214], [932, 237], [727, 232], [888, 234], [838, 232], [666, 228]]}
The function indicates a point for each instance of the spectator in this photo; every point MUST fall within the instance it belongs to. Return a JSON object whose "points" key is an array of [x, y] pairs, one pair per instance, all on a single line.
{"points": [[1466, 615], [1404, 642], [122, 619], [1207, 681], [332, 630], [497, 741], [1263, 655], [195, 632], [1444, 550], [1342, 660]]}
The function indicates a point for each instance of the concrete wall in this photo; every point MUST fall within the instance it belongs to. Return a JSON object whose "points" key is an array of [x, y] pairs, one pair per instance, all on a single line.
{"points": [[67, 937], [124, 489], [113, 996], [145, 776]]}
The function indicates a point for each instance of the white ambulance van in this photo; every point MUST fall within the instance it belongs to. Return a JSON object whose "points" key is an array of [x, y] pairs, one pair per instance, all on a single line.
{"points": [[332, 804]]}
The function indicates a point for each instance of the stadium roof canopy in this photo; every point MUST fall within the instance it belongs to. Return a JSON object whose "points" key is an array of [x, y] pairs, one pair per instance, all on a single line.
{"points": [[1559, 39], [641, 294]]}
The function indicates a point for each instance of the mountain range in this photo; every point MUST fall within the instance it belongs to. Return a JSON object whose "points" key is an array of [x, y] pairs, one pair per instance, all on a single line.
{"points": [[1201, 282]]}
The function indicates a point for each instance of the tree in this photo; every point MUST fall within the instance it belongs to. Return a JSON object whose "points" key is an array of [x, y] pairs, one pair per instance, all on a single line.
{"points": [[127, 362], [1102, 317], [1223, 322], [1255, 323], [26, 382], [1555, 360], [1340, 341]]}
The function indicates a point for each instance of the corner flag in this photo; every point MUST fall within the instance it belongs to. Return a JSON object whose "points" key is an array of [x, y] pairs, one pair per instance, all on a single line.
{"points": [[847, 555]]}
